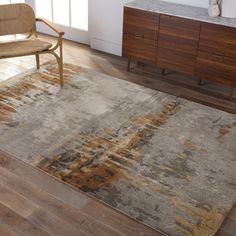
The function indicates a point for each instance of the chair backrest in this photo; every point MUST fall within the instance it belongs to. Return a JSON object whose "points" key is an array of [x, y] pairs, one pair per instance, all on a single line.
{"points": [[16, 19]]}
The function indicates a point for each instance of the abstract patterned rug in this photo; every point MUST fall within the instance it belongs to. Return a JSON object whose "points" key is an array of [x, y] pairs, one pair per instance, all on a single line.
{"points": [[165, 161]]}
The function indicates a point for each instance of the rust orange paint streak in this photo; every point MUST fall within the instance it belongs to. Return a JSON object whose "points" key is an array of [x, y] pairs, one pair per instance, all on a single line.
{"points": [[210, 220], [225, 130], [114, 156], [93, 177], [11, 97], [194, 147]]}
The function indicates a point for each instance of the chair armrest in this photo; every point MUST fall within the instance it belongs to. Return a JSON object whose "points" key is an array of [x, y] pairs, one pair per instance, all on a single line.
{"points": [[50, 25]]}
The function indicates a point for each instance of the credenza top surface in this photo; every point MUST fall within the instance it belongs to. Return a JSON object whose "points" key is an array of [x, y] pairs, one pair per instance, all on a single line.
{"points": [[180, 10]]}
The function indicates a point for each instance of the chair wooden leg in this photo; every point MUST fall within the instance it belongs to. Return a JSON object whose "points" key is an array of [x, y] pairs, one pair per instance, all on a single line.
{"points": [[37, 61], [59, 59], [61, 65]]}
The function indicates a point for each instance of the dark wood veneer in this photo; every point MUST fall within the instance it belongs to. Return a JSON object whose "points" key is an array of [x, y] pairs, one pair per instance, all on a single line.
{"points": [[216, 68], [176, 60], [142, 24], [179, 33], [178, 44], [140, 35], [218, 39], [139, 49], [183, 45]]}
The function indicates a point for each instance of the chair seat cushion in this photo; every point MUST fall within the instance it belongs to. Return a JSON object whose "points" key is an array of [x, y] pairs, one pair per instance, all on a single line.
{"points": [[23, 47]]}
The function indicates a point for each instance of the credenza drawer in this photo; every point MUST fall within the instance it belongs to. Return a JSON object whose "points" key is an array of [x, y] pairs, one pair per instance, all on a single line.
{"points": [[139, 49], [216, 68], [218, 39], [176, 60], [178, 44], [141, 23], [179, 33]]}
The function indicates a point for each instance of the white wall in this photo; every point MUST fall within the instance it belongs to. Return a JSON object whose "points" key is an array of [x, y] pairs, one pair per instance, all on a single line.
{"points": [[105, 25], [107, 19]]}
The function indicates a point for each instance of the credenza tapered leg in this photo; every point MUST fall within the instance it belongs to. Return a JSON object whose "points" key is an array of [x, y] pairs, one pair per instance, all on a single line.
{"points": [[163, 72], [199, 81], [128, 65], [231, 93]]}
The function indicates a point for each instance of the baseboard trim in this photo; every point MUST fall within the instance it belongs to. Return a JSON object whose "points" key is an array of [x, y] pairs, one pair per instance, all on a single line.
{"points": [[106, 46]]}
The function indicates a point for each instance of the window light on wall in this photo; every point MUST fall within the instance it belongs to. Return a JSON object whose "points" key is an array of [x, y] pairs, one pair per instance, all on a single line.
{"points": [[71, 13]]}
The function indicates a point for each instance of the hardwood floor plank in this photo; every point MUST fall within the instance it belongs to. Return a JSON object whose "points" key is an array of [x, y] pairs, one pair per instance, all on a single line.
{"points": [[232, 215], [222, 233], [18, 226], [5, 232], [229, 226], [16, 203], [54, 225], [37, 215], [110, 217], [79, 219]]}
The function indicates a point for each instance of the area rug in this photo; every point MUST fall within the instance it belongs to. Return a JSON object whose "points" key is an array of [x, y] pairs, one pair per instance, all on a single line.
{"points": [[165, 161]]}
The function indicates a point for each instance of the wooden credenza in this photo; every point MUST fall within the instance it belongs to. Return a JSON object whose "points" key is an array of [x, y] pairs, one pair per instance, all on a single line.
{"points": [[192, 47]]}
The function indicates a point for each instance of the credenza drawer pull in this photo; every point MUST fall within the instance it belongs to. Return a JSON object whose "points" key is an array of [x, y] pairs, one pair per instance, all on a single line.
{"points": [[219, 55], [140, 36], [166, 16]]}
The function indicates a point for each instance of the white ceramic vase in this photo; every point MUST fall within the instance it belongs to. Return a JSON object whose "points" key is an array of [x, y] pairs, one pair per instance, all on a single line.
{"points": [[228, 8], [214, 9]]}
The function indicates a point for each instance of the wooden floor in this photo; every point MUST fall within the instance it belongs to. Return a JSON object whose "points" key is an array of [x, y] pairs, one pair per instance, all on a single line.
{"points": [[33, 203]]}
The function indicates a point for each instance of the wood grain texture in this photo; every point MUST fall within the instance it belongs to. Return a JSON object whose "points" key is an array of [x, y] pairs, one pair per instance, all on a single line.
{"points": [[176, 60], [139, 48], [142, 24], [15, 202], [110, 216], [178, 44], [228, 228], [218, 39], [17, 225], [232, 214], [140, 35], [180, 34], [4, 231], [216, 68]]}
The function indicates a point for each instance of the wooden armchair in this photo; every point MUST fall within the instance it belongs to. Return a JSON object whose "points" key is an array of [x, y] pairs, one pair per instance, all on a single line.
{"points": [[20, 19]]}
